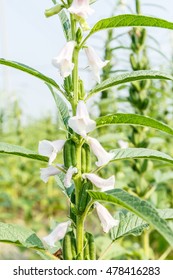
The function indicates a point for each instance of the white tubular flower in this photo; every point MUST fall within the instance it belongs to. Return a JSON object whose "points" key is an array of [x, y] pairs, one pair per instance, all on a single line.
{"points": [[123, 144], [50, 148], [70, 172], [57, 234], [104, 184], [102, 156], [81, 123], [81, 8], [64, 60], [107, 221], [95, 62], [45, 173]]}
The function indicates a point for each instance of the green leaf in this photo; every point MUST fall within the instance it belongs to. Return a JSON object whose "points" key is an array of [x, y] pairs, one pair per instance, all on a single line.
{"points": [[137, 206], [137, 153], [63, 111], [29, 70], [129, 77], [19, 235], [6, 148], [129, 20], [133, 119], [132, 224]]}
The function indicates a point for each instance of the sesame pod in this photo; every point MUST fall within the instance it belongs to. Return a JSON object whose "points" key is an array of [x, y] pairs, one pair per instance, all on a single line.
{"points": [[86, 249], [143, 37], [92, 247], [133, 62], [69, 153], [69, 246], [85, 158], [138, 7], [84, 196], [73, 245], [67, 250]]}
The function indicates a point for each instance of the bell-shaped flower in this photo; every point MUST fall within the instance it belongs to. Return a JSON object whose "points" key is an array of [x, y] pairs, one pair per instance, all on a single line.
{"points": [[81, 8], [57, 234], [70, 172], [106, 219], [104, 184], [81, 123], [95, 62], [45, 173], [64, 60], [123, 144], [101, 154], [50, 148]]}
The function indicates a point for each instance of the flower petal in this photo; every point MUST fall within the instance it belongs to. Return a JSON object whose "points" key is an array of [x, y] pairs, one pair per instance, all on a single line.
{"points": [[64, 60], [106, 219], [67, 180], [81, 8], [81, 123], [123, 144], [102, 156], [50, 148], [95, 62], [104, 184], [57, 234], [45, 173]]}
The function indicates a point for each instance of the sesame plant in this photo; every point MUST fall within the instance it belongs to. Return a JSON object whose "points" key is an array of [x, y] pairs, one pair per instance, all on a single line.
{"points": [[83, 157]]}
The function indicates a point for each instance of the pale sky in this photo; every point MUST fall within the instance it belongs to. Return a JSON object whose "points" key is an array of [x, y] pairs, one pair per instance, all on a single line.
{"points": [[30, 38]]}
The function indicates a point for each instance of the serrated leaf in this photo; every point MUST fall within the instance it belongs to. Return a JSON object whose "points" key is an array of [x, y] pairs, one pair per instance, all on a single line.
{"points": [[63, 111], [137, 206], [128, 20], [132, 224], [133, 119], [6, 148], [137, 153], [10, 233], [129, 77], [29, 70]]}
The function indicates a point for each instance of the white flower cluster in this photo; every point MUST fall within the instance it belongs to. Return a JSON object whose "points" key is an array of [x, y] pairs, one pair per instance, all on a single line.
{"points": [[81, 124], [63, 61]]}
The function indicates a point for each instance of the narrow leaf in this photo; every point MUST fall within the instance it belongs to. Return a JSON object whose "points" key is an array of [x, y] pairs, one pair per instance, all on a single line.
{"points": [[132, 224], [29, 70], [10, 233], [137, 153], [137, 206], [130, 20], [6, 148], [133, 119], [129, 77]]}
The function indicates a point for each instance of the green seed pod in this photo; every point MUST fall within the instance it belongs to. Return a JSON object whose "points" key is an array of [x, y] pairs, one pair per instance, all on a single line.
{"points": [[145, 103], [81, 89], [67, 251], [86, 249], [91, 247], [133, 62], [84, 196], [79, 35], [53, 11], [69, 153], [85, 158], [138, 7], [143, 37]]}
